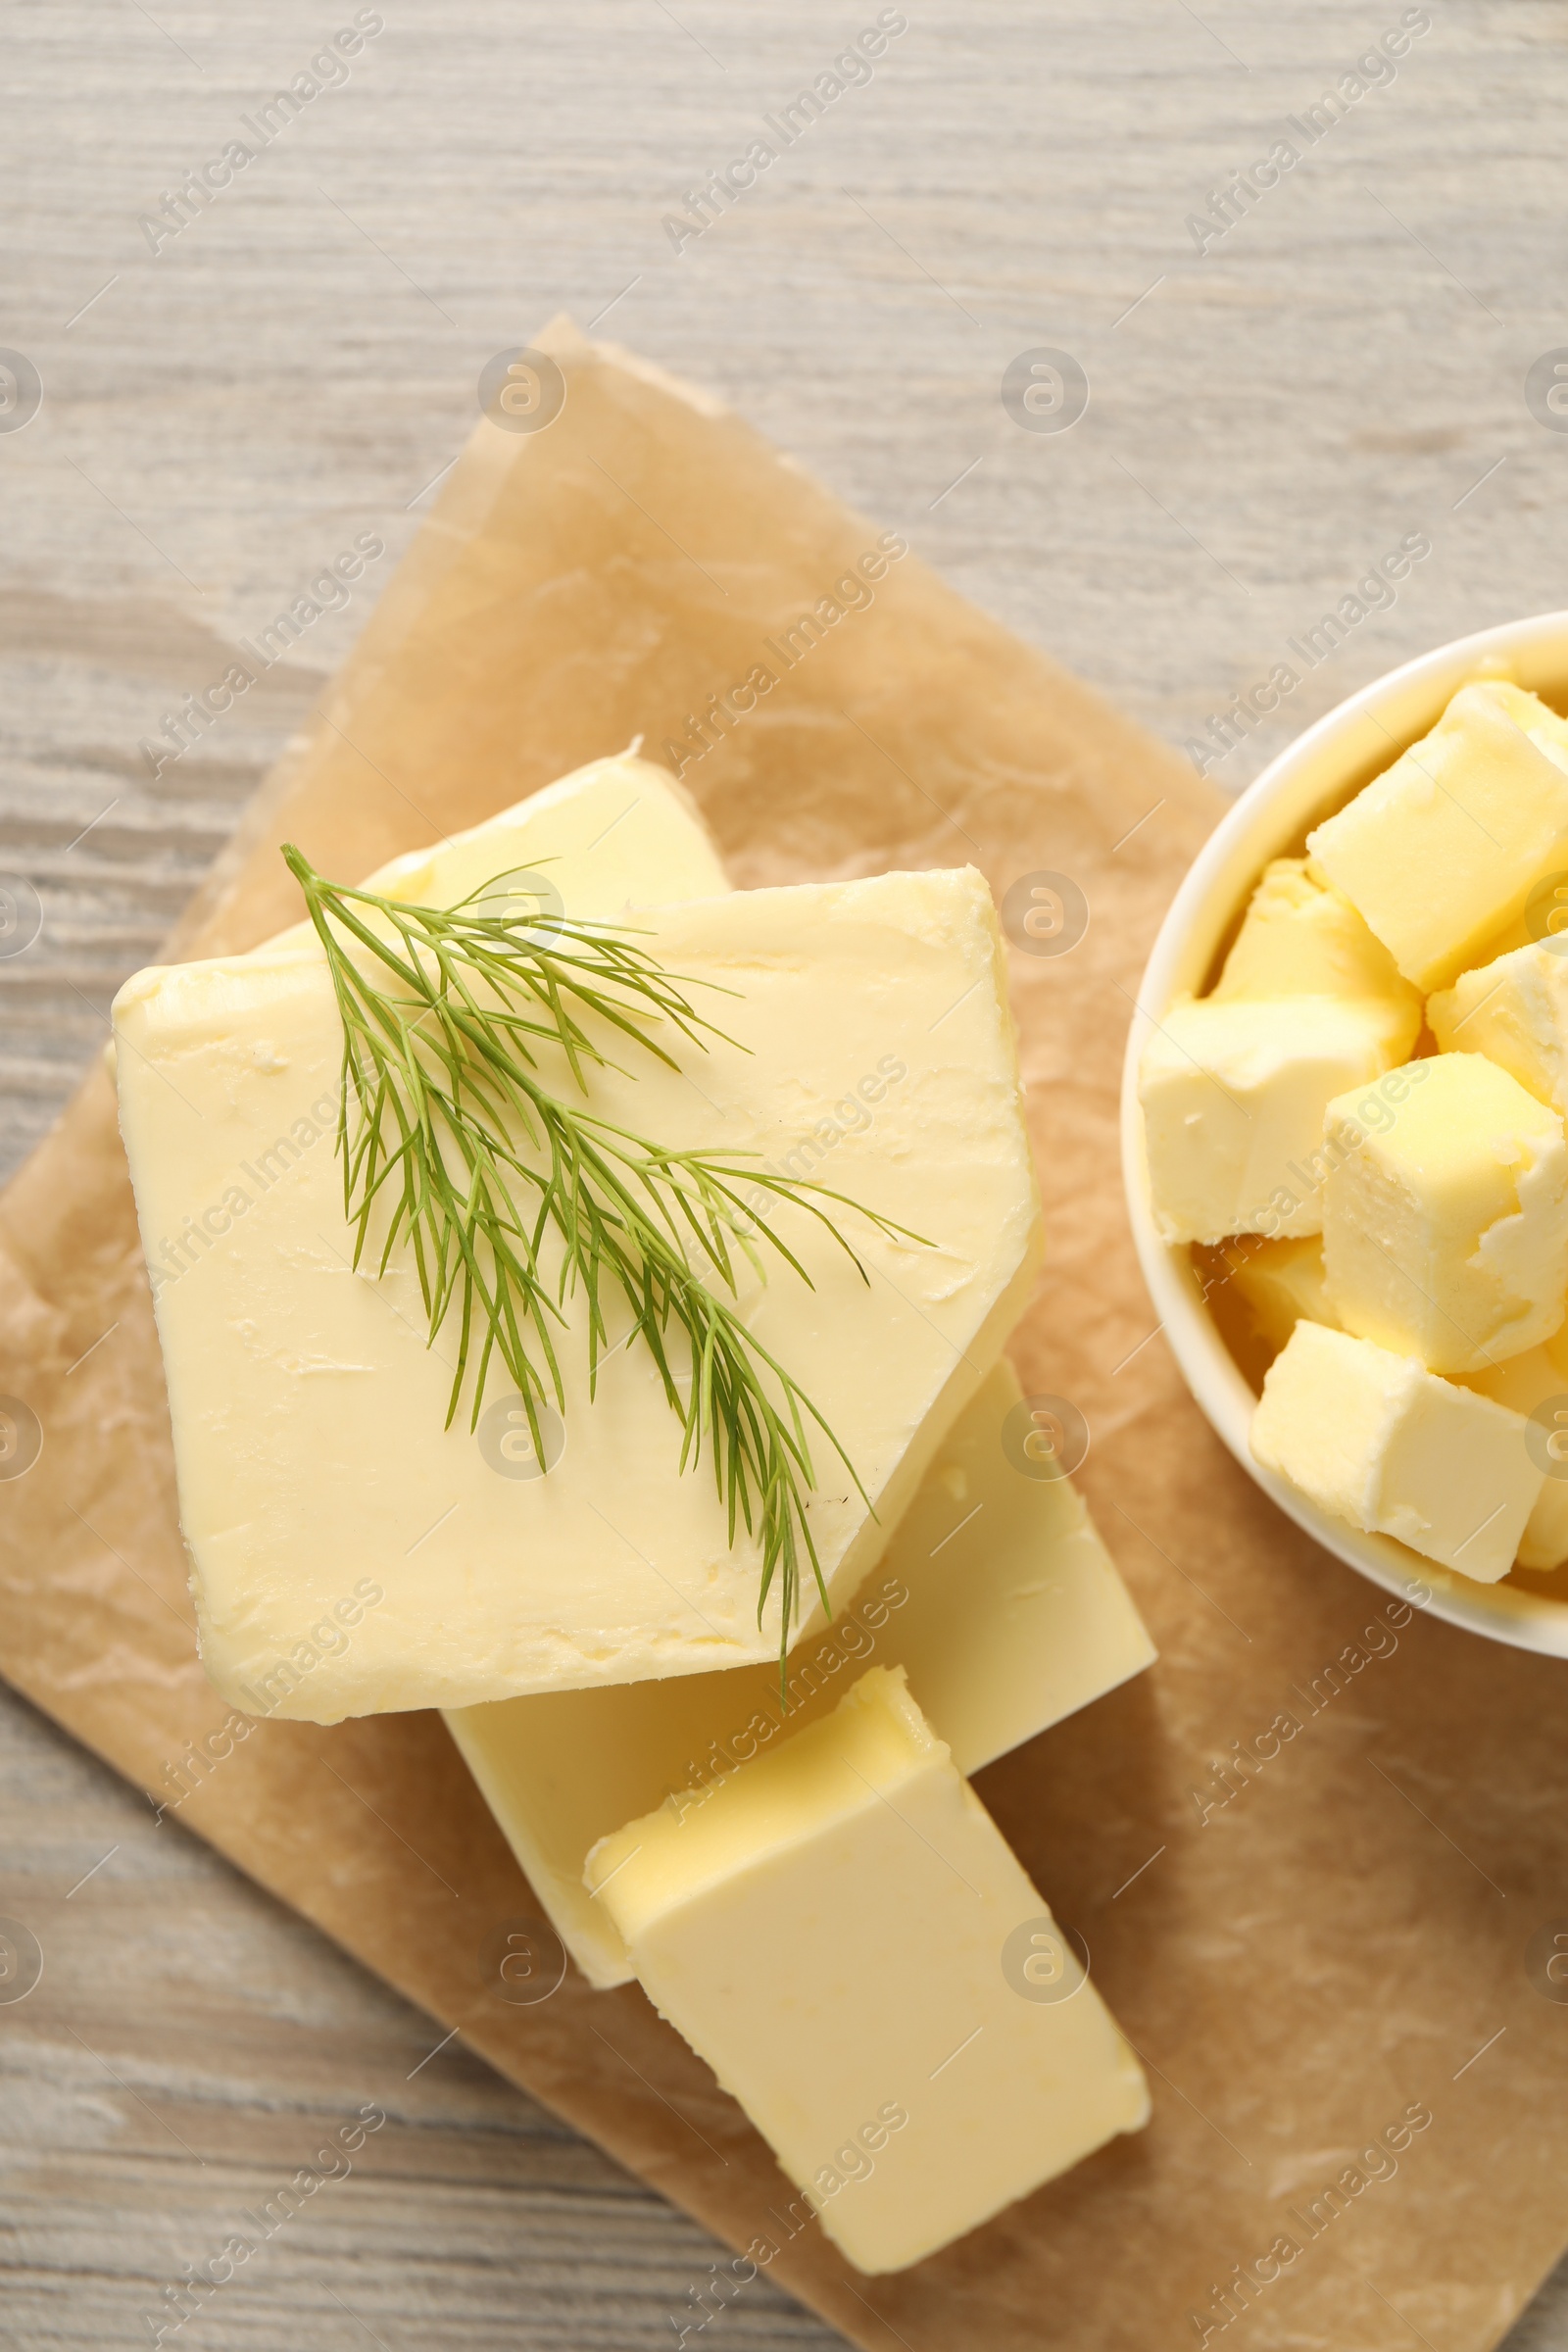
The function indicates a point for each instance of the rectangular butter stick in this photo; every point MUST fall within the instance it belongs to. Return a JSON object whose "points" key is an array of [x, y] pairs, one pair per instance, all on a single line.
{"points": [[995, 1593], [846, 1937]]}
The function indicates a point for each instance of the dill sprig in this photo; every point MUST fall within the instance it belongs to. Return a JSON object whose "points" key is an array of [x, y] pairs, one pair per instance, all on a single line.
{"points": [[451, 1141]]}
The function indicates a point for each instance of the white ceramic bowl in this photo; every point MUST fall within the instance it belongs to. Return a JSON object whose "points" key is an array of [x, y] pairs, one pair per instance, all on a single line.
{"points": [[1317, 774]]}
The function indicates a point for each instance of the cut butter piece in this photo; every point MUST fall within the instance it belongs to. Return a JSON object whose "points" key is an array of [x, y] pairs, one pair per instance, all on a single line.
{"points": [[1442, 851], [616, 834], [995, 1594], [1282, 1284], [846, 1939], [1515, 1011], [874, 1054], [1299, 937], [1234, 1091], [1536, 1383], [1546, 729], [1446, 1214], [1377, 1439], [1018, 1616]]}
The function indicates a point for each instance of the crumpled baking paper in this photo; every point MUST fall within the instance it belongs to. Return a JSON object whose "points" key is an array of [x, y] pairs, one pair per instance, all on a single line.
{"points": [[1315, 1855]]}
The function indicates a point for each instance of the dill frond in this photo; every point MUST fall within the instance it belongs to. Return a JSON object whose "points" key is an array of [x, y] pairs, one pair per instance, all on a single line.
{"points": [[455, 1150]]}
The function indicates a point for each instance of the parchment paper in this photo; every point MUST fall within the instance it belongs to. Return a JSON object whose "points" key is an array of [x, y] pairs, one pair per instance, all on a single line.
{"points": [[1298, 1966]]}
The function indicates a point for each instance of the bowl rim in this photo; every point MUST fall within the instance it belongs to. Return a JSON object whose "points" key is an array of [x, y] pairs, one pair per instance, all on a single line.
{"points": [[1315, 772]]}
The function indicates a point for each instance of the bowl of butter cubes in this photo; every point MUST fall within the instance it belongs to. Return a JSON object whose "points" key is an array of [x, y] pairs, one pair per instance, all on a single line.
{"points": [[1344, 1132]]}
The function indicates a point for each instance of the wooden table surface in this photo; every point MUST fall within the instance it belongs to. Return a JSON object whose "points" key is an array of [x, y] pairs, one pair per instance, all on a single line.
{"points": [[229, 397]]}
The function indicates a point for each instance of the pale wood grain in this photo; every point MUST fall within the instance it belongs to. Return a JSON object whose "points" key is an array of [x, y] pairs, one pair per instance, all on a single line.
{"points": [[1338, 372]]}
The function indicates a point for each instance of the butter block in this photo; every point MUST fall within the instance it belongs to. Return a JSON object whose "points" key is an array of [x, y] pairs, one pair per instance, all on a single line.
{"points": [[846, 1939], [1300, 937], [995, 1594], [1283, 1285], [1234, 1093], [616, 834], [1017, 1616], [1442, 851], [1515, 1011], [1378, 1440], [1527, 1384], [874, 1052], [1446, 1214]]}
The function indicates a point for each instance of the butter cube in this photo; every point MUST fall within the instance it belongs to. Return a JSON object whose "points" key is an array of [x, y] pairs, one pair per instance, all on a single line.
{"points": [[1536, 1383], [1442, 851], [1545, 729], [1282, 1283], [1446, 1214], [1234, 1091], [995, 1594], [1377, 1439], [1299, 937], [1515, 1011], [874, 1052], [846, 1939]]}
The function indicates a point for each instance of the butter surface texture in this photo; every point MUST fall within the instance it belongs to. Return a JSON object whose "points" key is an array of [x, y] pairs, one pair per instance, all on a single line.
{"points": [[1299, 937], [1515, 1011], [1378, 1441], [1442, 851], [616, 834], [846, 1939], [995, 1593], [1234, 1093], [1446, 1224], [307, 1411]]}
